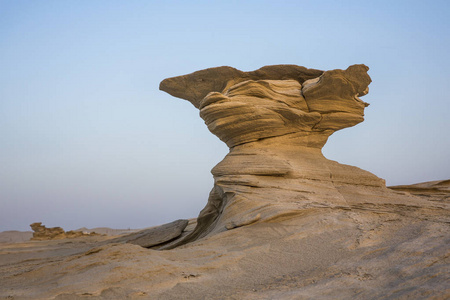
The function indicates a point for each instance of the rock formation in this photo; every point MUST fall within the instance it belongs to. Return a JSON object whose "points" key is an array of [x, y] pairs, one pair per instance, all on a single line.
{"points": [[281, 222], [275, 121], [155, 236], [438, 190], [42, 233]]}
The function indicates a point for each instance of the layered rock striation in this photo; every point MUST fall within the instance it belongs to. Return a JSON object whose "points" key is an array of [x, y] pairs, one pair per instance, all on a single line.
{"points": [[275, 121]]}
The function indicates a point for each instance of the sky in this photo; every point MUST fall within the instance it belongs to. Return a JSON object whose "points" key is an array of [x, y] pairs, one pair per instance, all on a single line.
{"points": [[87, 139]]}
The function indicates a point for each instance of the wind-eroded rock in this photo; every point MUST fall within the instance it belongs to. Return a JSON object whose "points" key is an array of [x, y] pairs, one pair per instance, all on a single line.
{"points": [[154, 236], [277, 101], [42, 233], [194, 87], [275, 121]]}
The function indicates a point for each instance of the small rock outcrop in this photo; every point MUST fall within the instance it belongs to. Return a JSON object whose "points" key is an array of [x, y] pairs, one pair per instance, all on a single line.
{"points": [[154, 236], [42, 233]]}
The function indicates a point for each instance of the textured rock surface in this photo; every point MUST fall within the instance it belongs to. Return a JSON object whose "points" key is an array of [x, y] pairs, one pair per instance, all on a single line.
{"points": [[154, 236], [194, 87], [368, 252], [273, 104]]}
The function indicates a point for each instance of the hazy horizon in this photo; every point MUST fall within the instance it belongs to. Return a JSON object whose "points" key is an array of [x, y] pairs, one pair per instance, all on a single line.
{"points": [[88, 140]]}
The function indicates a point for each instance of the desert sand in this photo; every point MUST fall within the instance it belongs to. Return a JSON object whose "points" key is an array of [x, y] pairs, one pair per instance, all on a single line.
{"points": [[282, 221]]}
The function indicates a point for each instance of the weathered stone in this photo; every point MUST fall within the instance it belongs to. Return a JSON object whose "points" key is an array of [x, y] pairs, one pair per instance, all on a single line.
{"points": [[55, 233], [276, 121], [154, 236], [194, 87]]}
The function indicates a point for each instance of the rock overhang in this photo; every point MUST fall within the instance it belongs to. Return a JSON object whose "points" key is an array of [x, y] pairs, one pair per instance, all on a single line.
{"points": [[275, 120]]}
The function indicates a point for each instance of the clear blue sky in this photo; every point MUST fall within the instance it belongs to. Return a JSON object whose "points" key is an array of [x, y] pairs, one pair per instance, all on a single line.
{"points": [[87, 139]]}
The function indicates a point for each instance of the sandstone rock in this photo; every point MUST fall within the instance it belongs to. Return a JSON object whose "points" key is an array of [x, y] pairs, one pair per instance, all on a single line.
{"points": [[194, 87], [275, 121], [154, 236], [55, 233]]}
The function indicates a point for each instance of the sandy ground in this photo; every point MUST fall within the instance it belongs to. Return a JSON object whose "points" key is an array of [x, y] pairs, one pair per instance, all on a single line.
{"points": [[14, 236], [388, 252]]}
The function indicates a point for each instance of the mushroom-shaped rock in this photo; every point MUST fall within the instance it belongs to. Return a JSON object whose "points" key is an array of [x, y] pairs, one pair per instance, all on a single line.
{"points": [[275, 121]]}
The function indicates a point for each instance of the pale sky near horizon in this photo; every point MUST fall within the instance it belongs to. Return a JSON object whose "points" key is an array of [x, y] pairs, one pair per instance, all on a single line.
{"points": [[87, 139]]}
